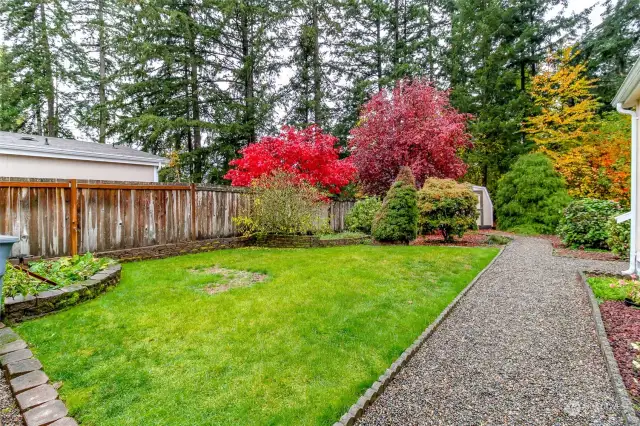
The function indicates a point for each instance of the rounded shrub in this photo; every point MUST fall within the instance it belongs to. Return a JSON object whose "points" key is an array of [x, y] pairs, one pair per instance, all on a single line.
{"points": [[585, 222], [282, 205], [531, 196], [397, 219], [448, 207], [360, 217], [619, 236]]}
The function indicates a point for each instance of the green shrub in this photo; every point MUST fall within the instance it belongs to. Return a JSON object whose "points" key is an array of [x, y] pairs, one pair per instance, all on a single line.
{"points": [[281, 205], [584, 222], [397, 219], [531, 196], [448, 207], [498, 240], [619, 236], [360, 217]]}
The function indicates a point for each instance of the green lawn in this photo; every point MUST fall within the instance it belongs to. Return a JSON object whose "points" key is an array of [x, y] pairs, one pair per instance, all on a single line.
{"points": [[297, 348]]}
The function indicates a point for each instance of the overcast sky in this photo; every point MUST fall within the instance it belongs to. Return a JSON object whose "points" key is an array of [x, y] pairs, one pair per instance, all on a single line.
{"points": [[580, 5]]}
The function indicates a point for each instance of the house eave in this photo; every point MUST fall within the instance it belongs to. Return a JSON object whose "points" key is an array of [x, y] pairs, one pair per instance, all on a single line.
{"points": [[629, 92], [44, 152]]}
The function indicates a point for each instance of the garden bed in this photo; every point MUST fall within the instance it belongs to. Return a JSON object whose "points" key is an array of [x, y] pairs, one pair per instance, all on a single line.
{"points": [[559, 249], [469, 239], [622, 325], [298, 346], [47, 286]]}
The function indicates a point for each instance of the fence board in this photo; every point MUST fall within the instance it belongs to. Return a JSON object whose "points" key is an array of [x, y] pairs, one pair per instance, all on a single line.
{"points": [[114, 216]]}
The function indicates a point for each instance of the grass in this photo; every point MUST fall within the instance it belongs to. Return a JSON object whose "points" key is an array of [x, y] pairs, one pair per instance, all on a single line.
{"points": [[297, 348], [602, 290]]}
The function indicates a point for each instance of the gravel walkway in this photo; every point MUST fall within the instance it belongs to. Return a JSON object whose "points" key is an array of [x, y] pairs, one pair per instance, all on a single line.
{"points": [[9, 413], [520, 348]]}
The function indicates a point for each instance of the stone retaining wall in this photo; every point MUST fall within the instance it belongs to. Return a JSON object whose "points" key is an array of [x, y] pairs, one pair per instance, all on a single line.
{"points": [[289, 241], [20, 308], [169, 250], [190, 247]]}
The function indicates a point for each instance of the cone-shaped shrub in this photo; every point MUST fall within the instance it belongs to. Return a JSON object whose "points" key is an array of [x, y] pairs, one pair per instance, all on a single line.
{"points": [[397, 219], [531, 196]]}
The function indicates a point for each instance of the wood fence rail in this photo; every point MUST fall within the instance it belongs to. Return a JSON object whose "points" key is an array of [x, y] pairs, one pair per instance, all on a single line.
{"points": [[66, 217]]}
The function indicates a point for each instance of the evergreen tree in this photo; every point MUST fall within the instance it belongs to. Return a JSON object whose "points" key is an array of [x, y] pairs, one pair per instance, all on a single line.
{"points": [[43, 60], [531, 196], [397, 219], [613, 46], [10, 104]]}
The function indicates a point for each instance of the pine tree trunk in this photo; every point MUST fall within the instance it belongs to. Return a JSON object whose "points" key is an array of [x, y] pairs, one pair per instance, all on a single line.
{"points": [[378, 50], [249, 100], [317, 73], [396, 32], [48, 73], [101, 85]]}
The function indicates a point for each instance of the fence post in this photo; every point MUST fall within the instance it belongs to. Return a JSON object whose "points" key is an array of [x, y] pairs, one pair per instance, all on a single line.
{"points": [[194, 234], [73, 206]]}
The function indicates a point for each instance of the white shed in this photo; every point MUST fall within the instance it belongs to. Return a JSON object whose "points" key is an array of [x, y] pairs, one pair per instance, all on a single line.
{"points": [[28, 156], [485, 207]]}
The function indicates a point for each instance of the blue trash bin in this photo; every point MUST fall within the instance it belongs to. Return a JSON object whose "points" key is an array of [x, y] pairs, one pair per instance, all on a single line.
{"points": [[6, 242]]}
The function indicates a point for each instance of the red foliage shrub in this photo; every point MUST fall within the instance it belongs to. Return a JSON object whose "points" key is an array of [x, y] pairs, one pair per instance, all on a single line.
{"points": [[307, 154], [413, 125]]}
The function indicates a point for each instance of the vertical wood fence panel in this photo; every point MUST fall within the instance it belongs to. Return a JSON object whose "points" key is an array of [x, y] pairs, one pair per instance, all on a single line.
{"points": [[60, 217]]}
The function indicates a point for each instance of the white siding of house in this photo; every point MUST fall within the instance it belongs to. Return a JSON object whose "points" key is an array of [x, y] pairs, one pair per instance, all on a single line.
{"points": [[59, 168]]}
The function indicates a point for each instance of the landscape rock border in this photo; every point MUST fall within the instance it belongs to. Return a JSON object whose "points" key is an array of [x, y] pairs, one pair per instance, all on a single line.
{"points": [[37, 399], [619, 388], [20, 308], [162, 251], [357, 409]]}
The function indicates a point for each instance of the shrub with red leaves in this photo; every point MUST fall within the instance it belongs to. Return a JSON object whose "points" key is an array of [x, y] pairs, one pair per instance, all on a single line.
{"points": [[413, 125], [310, 155]]}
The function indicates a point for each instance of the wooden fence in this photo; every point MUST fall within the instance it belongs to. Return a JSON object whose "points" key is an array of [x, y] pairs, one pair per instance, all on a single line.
{"points": [[63, 217]]}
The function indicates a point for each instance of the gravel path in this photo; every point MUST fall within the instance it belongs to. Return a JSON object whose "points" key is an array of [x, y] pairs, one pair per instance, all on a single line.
{"points": [[520, 348], [9, 413]]}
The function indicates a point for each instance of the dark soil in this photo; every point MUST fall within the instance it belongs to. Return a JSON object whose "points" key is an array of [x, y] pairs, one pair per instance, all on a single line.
{"points": [[623, 329], [469, 239], [559, 249]]}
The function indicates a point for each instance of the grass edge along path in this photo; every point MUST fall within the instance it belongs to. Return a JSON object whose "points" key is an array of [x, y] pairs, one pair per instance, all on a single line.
{"points": [[298, 348]]}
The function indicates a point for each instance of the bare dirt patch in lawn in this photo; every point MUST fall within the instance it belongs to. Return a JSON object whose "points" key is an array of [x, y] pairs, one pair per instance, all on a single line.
{"points": [[229, 279]]}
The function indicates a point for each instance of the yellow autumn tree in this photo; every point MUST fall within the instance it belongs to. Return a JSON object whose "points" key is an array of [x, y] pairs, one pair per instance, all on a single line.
{"points": [[562, 92], [590, 151]]}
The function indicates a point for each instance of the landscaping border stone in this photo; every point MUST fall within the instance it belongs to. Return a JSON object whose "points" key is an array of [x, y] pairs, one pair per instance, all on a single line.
{"points": [[619, 388], [371, 394], [190, 247], [20, 308], [37, 398], [305, 241]]}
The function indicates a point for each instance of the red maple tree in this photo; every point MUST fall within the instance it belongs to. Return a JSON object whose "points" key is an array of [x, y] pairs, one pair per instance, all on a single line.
{"points": [[309, 155], [413, 125]]}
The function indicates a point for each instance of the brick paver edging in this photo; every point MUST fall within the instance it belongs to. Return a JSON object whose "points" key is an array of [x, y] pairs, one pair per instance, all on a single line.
{"points": [[20, 308], [619, 388], [37, 398], [357, 409]]}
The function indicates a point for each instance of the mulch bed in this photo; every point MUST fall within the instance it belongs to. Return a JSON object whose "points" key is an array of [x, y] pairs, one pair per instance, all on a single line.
{"points": [[559, 249], [623, 328], [469, 239]]}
